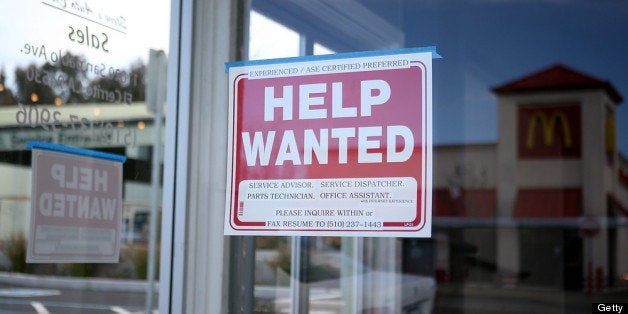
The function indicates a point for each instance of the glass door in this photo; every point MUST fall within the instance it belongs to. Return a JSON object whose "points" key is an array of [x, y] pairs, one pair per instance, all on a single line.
{"points": [[80, 80]]}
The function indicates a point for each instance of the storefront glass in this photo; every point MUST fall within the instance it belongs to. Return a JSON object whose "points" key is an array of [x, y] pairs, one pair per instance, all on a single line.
{"points": [[530, 166], [530, 192], [81, 75]]}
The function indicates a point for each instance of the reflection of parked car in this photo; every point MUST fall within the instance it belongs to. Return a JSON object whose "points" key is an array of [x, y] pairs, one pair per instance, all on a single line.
{"points": [[380, 291], [416, 293]]}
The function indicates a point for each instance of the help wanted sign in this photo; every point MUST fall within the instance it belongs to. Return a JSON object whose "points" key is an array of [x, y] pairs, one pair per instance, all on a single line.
{"points": [[331, 145]]}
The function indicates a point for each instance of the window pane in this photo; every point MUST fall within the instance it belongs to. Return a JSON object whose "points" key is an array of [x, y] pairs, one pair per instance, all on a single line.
{"points": [[321, 50], [269, 39], [530, 189], [79, 75]]}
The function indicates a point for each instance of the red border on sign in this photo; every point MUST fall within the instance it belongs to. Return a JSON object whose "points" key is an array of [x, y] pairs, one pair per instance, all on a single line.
{"points": [[410, 226]]}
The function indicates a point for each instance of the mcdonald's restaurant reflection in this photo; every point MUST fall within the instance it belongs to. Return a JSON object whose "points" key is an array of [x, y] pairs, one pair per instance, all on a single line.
{"points": [[544, 207]]}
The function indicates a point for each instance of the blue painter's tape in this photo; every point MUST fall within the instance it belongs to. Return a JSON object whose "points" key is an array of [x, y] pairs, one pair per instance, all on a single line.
{"points": [[75, 151], [346, 55]]}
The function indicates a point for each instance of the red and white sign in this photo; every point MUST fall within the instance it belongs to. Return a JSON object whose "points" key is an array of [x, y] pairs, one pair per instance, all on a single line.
{"points": [[332, 145], [76, 209]]}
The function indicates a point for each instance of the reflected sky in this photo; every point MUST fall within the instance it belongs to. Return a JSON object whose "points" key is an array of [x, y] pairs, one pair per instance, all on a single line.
{"points": [[487, 43], [484, 44], [128, 30]]}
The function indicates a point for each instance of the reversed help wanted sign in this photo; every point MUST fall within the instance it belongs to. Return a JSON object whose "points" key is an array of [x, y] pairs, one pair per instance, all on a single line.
{"points": [[76, 205], [335, 145]]}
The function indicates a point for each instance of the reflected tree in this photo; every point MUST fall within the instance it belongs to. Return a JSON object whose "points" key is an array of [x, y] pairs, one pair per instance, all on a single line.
{"points": [[6, 94], [69, 80], [138, 88], [30, 89], [131, 81], [68, 76]]}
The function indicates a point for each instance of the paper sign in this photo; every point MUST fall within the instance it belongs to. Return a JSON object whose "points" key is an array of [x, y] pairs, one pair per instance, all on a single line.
{"points": [[331, 145], [76, 205]]}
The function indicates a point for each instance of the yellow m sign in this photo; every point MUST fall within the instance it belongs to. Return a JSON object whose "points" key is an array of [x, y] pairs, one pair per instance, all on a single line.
{"points": [[548, 127], [549, 132]]}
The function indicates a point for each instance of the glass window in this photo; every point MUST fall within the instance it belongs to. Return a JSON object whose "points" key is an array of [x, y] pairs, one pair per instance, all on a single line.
{"points": [[271, 39], [530, 189], [530, 170], [88, 77]]}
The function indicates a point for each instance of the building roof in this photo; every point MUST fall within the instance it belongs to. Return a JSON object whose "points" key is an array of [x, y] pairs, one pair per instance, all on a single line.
{"points": [[557, 78]]}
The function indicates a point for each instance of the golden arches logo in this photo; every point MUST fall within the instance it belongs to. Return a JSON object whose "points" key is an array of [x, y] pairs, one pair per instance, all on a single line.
{"points": [[548, 125]]}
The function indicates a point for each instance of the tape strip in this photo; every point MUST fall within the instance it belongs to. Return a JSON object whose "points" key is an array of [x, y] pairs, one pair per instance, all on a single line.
{"points": [[346, 55], [75, 151]]}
